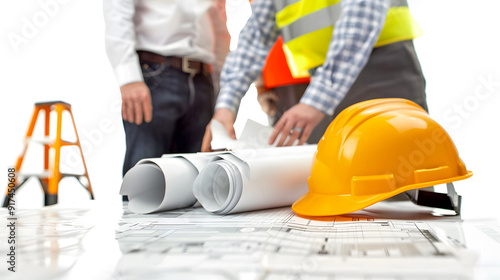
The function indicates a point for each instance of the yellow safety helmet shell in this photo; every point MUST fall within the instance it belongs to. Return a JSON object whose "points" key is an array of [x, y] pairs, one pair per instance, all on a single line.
{"points": [[374, 150]]}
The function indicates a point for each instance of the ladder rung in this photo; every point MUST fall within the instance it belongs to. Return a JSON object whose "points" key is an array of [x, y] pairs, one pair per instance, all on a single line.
{"points": [[64, 142], [72, 175], [42, 175], [45, 175], [48, 141]]}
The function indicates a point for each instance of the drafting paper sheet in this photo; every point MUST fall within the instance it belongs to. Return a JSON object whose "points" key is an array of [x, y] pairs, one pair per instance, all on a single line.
{"points": [[253, 136], [277, 244], [254, 179]]}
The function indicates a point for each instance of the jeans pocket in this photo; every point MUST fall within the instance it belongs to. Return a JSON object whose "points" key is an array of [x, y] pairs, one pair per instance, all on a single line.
{"points": [[151, 69]]}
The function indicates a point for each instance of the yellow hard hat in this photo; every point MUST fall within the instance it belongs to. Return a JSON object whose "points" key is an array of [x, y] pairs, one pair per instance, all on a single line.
{"points": [[374, 150]]}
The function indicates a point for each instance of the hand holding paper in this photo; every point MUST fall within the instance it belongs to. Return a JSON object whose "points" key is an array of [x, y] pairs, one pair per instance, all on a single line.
{"points": [[225, 118]]}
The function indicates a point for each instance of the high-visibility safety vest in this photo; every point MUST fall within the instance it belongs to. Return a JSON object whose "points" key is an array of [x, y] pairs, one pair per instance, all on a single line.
{"points": [[276, 72], [307, 28]]}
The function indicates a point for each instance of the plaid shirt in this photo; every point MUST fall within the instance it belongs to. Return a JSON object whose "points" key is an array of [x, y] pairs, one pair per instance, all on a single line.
{"points": [[354, 36]]}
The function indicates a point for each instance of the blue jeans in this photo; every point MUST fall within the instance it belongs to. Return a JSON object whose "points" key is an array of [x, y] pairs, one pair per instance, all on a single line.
{"points": [[179, 116]]}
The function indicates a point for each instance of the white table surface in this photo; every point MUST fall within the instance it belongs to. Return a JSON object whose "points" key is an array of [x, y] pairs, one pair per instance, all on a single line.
{"points": [[99, 240]]}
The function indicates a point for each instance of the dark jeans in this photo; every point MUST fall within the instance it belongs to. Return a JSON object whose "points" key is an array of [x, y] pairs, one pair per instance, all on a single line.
{"points": [[392, 71], [179, 116]]}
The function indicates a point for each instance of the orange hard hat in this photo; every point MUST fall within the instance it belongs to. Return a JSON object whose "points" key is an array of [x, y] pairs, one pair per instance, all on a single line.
{"points": [[374, 150]]}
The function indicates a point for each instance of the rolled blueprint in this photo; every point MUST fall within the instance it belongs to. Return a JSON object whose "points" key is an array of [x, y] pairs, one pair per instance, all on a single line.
{"points": [[254, 175], [166, 183], [254, 179], [161, 184]]}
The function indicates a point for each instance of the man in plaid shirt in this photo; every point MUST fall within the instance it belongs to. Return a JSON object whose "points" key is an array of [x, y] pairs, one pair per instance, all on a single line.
{"points": [[353, 71]]}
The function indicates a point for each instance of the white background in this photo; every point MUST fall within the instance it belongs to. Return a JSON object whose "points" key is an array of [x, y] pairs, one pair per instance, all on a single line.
{"points": [[57, 53]]}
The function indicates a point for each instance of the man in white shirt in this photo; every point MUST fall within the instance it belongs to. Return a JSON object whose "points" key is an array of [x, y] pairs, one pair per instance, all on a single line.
{"points": [[162, 54]]}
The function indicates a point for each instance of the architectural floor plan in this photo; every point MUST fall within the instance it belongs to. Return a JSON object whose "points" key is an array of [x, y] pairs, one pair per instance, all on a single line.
{"points": [[389, 241], [276, 244]]}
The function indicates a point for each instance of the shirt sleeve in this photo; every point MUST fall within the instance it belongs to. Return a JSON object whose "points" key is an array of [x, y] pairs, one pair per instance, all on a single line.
{"points": [[353, 38], [243, 65], [120, 40], [222, 39]]}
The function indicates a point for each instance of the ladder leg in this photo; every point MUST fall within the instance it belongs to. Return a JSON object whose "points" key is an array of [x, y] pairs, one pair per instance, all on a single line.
{"points": [[54, 173], [87, 186], [20, 158], [46, 147], [6, 200]]}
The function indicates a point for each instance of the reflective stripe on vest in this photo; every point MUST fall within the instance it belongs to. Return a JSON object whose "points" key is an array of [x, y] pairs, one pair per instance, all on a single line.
{"points": [[276, 72], [307, 28]]}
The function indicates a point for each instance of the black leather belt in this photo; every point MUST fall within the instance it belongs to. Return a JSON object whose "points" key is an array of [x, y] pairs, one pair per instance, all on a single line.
{"points": [[183, 63]]}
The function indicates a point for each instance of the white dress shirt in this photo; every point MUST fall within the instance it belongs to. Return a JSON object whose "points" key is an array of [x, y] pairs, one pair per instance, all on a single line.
{"points": [[167, 27]]}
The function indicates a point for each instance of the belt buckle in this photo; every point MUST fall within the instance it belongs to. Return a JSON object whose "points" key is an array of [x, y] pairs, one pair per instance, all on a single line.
{"points": [[185, 67]]}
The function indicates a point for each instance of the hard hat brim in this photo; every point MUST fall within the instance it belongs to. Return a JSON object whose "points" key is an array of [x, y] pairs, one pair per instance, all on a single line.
{"points": [[319, 204]]}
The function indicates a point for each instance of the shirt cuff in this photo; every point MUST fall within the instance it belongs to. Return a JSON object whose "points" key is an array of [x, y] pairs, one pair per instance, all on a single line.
{"points": [[320, 99], [127, 73], [228, 101], [317, 105]]}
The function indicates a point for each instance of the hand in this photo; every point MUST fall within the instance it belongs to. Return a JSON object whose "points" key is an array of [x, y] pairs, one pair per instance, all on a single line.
{"points": [[226, 117], [136, 103], [267, 101], [301, 116]]}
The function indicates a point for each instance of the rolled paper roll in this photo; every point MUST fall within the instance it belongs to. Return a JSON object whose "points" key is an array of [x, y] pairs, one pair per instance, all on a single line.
{"points": [[218, 187], [159, 184], [255, 179]]}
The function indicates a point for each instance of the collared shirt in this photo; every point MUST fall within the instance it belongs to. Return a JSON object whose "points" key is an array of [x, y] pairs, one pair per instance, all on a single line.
{"points": [[169, 27], [354, 36]]}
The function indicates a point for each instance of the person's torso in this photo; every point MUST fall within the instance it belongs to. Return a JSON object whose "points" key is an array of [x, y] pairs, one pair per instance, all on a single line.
{"points": [[174, 28], [307, 27]]}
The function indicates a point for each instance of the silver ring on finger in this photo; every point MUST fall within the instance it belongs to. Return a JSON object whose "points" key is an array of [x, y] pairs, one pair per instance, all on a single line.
{"points": [[296, 129]]}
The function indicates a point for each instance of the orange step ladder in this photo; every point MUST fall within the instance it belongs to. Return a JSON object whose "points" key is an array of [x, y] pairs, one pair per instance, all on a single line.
{"points": [[50, 178]]}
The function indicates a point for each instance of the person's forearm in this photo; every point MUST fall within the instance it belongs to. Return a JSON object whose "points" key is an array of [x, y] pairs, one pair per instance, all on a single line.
{"points": [[243, 65]]}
